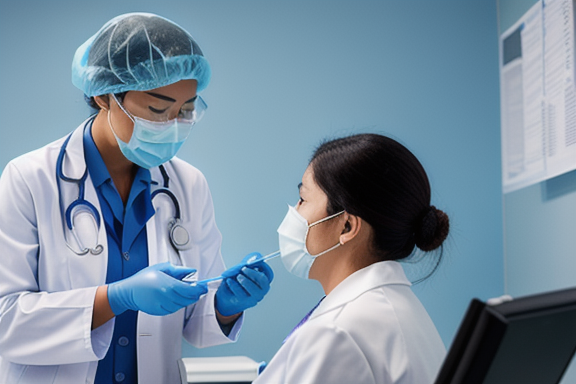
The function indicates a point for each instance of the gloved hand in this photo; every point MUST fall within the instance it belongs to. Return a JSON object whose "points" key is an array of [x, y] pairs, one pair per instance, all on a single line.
{"points": [[156, 290], [243, 286]]}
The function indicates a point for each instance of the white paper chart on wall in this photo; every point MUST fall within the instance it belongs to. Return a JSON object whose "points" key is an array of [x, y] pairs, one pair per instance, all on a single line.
{"points": [[538, 95]]}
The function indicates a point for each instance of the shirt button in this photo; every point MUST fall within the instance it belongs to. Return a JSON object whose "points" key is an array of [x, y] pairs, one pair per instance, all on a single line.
{"points": [[119, 377], [126, 256], [123, 341]]}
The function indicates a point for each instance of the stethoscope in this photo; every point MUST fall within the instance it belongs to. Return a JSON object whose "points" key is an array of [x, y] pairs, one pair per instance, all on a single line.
{"points": [[179, 236]]}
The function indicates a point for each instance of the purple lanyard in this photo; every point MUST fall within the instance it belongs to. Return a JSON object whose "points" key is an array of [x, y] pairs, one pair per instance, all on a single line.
{"points": [[304, 319]]}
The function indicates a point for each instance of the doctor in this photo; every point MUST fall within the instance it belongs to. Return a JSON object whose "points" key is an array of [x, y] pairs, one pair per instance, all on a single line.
{"points": [[98, 229], [364, 204]]}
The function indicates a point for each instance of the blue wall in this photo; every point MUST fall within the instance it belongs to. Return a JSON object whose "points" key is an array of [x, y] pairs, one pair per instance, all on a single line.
{"points": [[286, 75], [539, 221]]}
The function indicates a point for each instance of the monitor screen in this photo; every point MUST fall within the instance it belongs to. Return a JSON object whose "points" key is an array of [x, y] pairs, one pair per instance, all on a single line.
{"points": [[528, 340]]}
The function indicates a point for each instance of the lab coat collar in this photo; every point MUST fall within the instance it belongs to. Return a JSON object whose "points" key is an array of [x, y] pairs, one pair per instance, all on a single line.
{"points": [[73, 165], [363, 280], [89, 271]]}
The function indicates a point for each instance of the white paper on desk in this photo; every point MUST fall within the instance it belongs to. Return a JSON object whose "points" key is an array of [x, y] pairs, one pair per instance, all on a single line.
{"points": [[225, 369]]}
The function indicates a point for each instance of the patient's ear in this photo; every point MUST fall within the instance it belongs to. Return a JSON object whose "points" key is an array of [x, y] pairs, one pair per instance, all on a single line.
{"points": [[351, 228]]}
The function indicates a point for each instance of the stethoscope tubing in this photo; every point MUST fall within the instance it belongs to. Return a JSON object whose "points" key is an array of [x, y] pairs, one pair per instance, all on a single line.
{"points": [[174, 226]]}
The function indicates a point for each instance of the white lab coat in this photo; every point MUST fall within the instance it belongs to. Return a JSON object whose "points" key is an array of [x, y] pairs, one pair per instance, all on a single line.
{"points": [[371, 329], [47, 291]]}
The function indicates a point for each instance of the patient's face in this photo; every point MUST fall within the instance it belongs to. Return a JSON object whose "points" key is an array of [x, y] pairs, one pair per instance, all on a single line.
{"points": [[313, 207]]}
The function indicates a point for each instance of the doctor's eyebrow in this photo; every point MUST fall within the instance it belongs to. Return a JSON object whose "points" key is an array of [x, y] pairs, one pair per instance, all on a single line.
{"points": [[166, 98]]}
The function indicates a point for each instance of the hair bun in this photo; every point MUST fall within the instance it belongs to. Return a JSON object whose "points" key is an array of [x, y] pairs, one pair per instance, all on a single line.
{"points": [[432, 230]]}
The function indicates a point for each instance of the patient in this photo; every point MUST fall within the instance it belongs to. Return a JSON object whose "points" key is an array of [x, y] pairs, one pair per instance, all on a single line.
{"points": [[364, 205]]}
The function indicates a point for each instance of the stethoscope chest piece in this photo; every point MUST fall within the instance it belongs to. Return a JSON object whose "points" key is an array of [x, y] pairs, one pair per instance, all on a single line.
{"points": [[179, 236]]}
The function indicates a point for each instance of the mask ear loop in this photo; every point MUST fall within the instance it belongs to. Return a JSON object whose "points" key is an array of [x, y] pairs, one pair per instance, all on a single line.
{"points": [[325, 219], [112, 128], [316, 223], [326, 251], [109, 112], [123, 109]]}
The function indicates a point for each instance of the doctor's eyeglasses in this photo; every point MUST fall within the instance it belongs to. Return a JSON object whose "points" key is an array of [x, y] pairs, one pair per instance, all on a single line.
{"points": [[191, 112]]}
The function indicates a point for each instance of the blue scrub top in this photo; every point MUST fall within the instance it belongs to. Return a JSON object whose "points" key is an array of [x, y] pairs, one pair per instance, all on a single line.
{"points": [[127, 254]]}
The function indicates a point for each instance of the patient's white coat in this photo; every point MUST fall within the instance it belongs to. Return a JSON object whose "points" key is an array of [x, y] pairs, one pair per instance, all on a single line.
{"points": [[371, 329]]}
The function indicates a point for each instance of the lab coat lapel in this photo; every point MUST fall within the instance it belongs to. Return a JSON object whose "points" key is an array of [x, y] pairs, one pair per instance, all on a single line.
{"points": [[153, 243], [88, 270], [156, 332], [74, 165]]}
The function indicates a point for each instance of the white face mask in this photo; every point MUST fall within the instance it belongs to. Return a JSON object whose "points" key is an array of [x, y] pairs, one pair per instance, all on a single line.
{"points": [[292, 235]]}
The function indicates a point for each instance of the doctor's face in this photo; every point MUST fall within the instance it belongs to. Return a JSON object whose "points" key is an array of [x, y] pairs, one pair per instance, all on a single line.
{"points": [[312, 206], [160, 104]]}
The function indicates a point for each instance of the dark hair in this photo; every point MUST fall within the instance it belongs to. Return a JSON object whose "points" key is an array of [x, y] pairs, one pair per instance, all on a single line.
{"points": [[381, 181]]}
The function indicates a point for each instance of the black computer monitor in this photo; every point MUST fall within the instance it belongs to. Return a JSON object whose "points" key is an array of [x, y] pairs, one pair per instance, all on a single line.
{"points": [[528, 340]]}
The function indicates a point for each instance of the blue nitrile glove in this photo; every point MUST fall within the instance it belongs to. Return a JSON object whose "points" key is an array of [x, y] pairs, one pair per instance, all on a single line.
{"points": [[156, 290], [243, 286]]}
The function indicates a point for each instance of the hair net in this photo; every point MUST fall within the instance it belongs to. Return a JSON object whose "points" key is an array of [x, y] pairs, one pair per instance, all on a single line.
{"points": [[138, 52]]}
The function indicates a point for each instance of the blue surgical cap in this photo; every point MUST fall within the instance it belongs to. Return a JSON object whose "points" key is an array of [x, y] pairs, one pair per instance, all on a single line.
{"points": [[138, 52]]}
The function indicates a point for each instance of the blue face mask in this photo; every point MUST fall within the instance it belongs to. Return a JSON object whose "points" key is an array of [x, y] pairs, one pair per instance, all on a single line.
{"points": [[153, 143]]}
